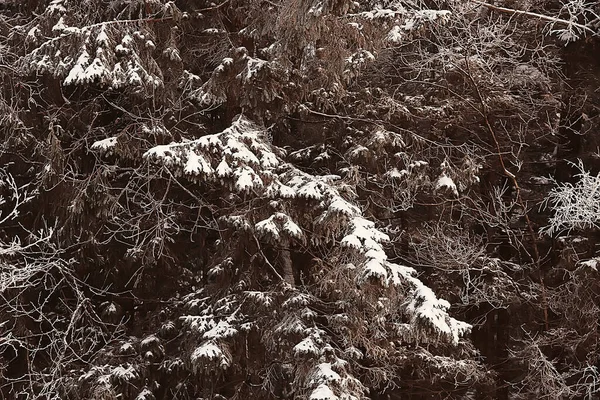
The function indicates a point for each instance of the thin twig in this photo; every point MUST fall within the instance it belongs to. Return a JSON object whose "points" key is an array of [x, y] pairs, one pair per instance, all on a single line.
{"points": [[513, 178], [536, 15]]}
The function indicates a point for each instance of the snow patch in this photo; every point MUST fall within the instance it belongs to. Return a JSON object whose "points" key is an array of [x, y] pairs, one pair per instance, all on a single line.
{"points": [[444, 182], [306, 347], [324, 374], [77, 73], [124, 374], [104, 145], [222, 330], [323, 392], [209, 352]]}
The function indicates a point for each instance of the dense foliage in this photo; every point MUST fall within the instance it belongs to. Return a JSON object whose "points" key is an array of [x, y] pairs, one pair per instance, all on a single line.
{"points": [[299, 199]]}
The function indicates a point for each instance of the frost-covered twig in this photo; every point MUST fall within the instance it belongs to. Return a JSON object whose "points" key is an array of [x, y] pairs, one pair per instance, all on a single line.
{"points": [[18, 194], [575, 206], [553, 20]]}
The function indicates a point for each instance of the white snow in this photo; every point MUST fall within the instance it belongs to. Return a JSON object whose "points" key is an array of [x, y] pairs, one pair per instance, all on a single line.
{"points": [[593, 263], [352, 241], [85, 72], [135, 79], [277, 223], [310, 190], [126, 348], [316, 10], [395, 35], [222, 330], [172, 54], [124, 374], [382, 137], [104, 144], [111, 309], [241, 152], [432, 15], [358, 151], [77, 73], [223, 169], [253, 67], [323, 392], [197, 164], [268, 160], [341, 206], [426, 307], [292, 229], [211, 31], [118, 76], [375, 268], [127, 40], [96, 69], [353, 353], [246, 179], [122, 50], [208, 141], [165, 152], [268, 227], [33, 33], [102, 38], [445, 182], [238, 222], [324, 374], [199, 323], [236, 150], [155, 129], [60, 25], [411, 22], [306, 347], [291, 325], [150, 341], [145, 394], [396, 174], [265, 299], [209, 351], [56, 7], [299, 299], [277, 189], [364, 229]]}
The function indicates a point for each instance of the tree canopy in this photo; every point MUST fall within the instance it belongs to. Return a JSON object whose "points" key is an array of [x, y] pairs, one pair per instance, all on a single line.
{"points": [[299, 199]]}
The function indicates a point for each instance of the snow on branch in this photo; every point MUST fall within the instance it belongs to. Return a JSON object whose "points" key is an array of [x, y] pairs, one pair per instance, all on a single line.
{"points": [[210, 354], [105, 54], [427, 311], [240, 159], [278, 224], [403, 21]]}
